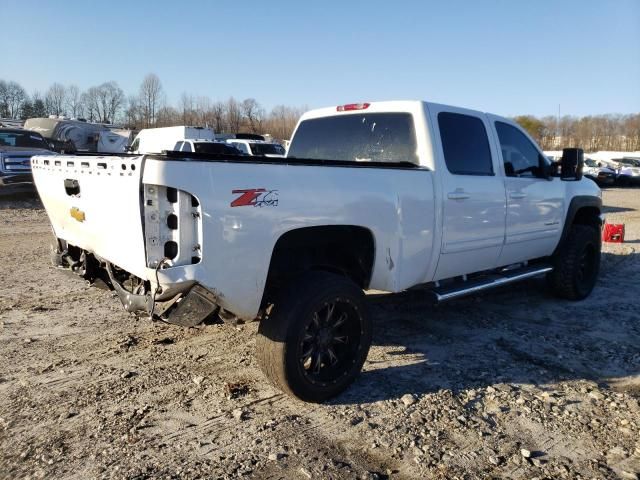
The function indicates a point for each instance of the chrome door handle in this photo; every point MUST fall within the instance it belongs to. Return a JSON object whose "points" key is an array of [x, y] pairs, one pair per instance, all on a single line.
{"points": [[517, 195], [458, 196]]}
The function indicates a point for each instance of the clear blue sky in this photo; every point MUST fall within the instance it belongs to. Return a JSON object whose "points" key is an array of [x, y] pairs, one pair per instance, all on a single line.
{"points": [[507, 57]]}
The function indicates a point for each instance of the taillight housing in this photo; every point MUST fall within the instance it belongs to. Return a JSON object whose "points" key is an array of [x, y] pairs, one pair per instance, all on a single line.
{"points": [[172, 226], [352, 106]]}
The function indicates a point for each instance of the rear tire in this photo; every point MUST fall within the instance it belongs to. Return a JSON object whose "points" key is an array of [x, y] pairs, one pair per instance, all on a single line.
{"points": [[314, 342], [576, 264]]}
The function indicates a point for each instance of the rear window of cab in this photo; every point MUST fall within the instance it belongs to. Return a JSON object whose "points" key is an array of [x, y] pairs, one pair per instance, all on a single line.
{"points": [[362, 137]]}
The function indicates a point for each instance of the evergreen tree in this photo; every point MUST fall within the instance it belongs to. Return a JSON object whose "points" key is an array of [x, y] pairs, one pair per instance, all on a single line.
{"points": [[39, 110], [26, 110]]}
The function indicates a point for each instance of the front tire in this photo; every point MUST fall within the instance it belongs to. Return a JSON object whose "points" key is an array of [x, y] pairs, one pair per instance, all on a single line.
{"points": [[314, 342], [577, 263]]}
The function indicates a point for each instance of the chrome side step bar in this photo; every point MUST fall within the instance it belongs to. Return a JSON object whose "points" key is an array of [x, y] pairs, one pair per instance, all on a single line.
{"points": [[449, 292]]}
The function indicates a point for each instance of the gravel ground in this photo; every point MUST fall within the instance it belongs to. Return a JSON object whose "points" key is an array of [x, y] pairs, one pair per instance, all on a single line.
{"points": [[510, 384]]}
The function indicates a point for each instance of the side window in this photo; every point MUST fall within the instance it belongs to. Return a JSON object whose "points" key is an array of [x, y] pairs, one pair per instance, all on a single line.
{"points": [[521, 158], [465, 144], [242, 147], [135, 145], [186, 147], [177, 147]]}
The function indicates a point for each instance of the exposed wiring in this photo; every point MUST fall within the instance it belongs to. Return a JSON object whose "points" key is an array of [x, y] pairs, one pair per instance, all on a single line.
{"points": [[155, 290]]}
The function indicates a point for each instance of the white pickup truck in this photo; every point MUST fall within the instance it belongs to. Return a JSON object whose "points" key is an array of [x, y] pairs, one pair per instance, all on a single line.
{"points": [[386, 196]]}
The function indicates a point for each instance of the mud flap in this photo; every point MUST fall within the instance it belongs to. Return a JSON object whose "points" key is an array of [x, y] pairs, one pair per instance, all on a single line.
{"points": [[193, 308]]}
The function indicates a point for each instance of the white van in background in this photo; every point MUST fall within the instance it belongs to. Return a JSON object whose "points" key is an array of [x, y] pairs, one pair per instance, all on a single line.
{"points": [[156, 140]]}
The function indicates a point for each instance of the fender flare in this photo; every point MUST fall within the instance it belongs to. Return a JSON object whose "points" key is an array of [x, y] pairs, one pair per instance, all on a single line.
{"points": [[578, 202]]}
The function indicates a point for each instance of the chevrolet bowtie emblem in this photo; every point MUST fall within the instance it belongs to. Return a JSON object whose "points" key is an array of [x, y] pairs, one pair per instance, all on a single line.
{"points": [[77, 214]]}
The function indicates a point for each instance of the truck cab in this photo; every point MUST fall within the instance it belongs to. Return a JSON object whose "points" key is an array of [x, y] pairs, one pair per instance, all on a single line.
{"points": [[497, 201]]}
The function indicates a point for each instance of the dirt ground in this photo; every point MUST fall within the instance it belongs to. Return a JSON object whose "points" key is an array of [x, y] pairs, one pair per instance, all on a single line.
{"points": [[510, 384]]}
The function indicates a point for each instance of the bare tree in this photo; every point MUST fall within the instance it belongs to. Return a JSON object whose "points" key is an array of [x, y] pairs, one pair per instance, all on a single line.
{"points": [[632, 132], [282, 120], [253, 114], [151, 97], [4, 109], [233, 115], [114, 99], [12, 96], [55, 99], [203, 111], [103, 103], [591, 132], [132, 114], [168, 117], [73, 101], [187, 107], [218, 113]]}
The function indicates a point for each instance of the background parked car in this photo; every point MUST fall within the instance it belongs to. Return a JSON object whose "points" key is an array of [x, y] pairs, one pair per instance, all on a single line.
{"points": [[206, 146], [258, 147], [628, 171], [70, 135], [17, 146], [599, 173]]}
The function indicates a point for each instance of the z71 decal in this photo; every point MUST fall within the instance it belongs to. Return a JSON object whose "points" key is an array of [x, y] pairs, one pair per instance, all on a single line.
{"points": [[255, 197]]}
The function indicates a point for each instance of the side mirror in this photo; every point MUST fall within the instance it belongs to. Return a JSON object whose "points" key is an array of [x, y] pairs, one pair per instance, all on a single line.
{"points": [[128, 149], [572, 163]]}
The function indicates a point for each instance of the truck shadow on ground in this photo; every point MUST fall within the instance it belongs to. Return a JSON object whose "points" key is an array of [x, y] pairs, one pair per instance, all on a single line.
{"points": [[25, 200], [607, 209], [519, 334]]}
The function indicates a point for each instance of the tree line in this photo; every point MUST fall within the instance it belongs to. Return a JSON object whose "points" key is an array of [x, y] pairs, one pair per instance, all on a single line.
{"points": [[107, 103], [591, 133]]}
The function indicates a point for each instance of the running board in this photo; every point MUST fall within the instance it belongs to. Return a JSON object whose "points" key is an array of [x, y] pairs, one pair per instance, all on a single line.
{"points": [[449, 292]]}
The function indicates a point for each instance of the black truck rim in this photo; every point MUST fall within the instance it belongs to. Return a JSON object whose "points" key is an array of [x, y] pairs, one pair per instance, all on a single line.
{"points": [[330, 342]]}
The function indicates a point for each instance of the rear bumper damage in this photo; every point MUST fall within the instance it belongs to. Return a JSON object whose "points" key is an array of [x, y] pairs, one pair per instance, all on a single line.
{"points": [[186, 304]]}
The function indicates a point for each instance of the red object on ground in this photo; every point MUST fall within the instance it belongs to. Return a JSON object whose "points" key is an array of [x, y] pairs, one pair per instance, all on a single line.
{"points": [[613, 232]]}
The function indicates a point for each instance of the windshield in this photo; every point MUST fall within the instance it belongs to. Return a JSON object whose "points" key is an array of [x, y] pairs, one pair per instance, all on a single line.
{"points": [[590, 163], [373, 137], [213, 147], [266, 149], [25, 139]]}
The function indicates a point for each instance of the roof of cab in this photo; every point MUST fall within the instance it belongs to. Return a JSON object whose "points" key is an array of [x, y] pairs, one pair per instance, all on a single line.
{"points": [[371, 107], [410, 106]]}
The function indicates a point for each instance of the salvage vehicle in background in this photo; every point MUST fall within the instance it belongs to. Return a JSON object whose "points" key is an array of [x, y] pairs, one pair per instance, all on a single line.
{"points": [[596, 171], [71, 135], [258, 147], [206, 146], [387, 196], [17, 146], [628, 171]]}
